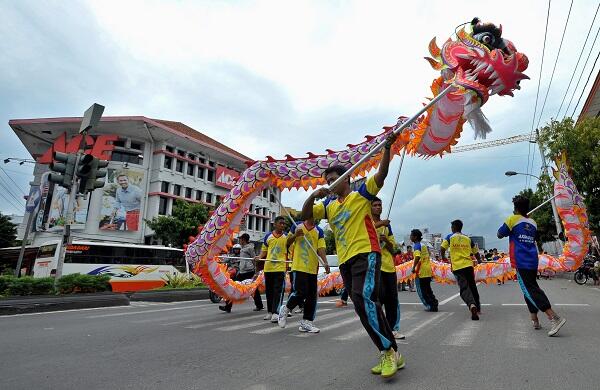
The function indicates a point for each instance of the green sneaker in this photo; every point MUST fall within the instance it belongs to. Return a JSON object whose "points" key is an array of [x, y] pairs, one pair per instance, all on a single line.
{"points": [[389, 363], [400, 363], [377, 369]]}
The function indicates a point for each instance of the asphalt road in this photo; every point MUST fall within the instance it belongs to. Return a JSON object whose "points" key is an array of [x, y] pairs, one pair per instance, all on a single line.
{"points": [[192, 345]]}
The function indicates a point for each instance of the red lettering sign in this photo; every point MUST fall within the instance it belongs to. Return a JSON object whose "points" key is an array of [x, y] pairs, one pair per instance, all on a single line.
{"points": [[99, 147], [226, 177]]}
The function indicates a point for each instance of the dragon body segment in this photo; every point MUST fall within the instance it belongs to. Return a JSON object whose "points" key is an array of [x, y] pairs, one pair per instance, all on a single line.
{"points": [[478, 64]]}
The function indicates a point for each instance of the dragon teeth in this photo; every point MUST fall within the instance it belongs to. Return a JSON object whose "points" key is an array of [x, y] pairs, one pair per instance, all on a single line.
{"points": [[480, 67], [489, 69], [494, 75]]}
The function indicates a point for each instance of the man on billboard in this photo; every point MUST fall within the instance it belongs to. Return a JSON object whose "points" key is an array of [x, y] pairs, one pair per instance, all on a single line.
{"points": [[128, 197]]}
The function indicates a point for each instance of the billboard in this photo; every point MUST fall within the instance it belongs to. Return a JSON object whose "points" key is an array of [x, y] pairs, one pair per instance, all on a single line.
{"points": [[52, 213], [121, 200], [226, 177]]}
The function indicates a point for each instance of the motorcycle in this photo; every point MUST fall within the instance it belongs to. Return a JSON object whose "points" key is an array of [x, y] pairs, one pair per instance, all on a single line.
{"points": [[585, 271]]}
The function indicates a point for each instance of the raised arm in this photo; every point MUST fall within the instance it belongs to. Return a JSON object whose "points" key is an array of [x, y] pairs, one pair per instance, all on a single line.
{"points": [[307, 207], [384, 164]]}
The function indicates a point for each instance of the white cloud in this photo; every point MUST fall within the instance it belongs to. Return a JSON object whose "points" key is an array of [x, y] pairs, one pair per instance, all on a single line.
{"points": [[481, 208]]}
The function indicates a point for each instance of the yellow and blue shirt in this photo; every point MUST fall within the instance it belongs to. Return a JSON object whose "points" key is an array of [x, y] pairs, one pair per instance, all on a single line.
{"points": [[304, 259], [387, 259], [351, 221], [461, 249], [521, 232], [276, 248], [420, 250]]}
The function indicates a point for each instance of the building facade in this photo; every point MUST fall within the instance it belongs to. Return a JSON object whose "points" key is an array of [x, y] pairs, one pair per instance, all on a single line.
{"points": [[152, 163]]}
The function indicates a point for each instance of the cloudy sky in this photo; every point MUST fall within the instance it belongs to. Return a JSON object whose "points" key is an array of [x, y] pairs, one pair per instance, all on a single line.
{"points": [[290, 77]]}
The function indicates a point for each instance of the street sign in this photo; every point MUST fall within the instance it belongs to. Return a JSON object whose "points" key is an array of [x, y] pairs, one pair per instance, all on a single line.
{"points": [[33, 200]]}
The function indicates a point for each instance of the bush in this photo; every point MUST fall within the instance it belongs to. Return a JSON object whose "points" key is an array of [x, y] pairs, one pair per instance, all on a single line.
{"points": [[182, 281], [26, 285], [78, 283]]}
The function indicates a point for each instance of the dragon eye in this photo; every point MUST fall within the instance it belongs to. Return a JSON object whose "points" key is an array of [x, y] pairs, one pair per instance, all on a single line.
{"points": [[487, 39]]}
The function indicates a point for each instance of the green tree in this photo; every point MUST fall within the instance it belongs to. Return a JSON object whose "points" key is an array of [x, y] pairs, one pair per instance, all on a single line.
{"points": [[184, 221], [330, 242], [581, 142], [8, 232]]}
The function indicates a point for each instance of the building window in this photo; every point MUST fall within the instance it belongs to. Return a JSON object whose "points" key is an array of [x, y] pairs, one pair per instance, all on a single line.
{"points": [[137, 145], [264, 193], [201, 172], [192, 157], [199, 195], [181, 153], [170, 149], [162, 205], [257, 224], [120, 142], [168, 162], [190, 169], [164, 187], [177, 189], [211, 175], [201, 160], [179, 166], [188, 192], [127, 156], [250, 222], [209, 197]]}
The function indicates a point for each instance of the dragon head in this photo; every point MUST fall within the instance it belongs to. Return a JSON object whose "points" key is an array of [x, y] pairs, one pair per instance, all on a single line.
{"points": [[480, 61]]}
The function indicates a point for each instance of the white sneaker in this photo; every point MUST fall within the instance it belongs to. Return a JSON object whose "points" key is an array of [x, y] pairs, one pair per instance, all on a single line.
{"points": [[282, 317], [274, 318], [398, 335], [308, 327], [557, 323], [267, 317], [298, 310]]}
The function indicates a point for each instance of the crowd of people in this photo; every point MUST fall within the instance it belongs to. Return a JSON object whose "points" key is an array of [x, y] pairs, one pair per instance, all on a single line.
{"points": [[366, 252]]}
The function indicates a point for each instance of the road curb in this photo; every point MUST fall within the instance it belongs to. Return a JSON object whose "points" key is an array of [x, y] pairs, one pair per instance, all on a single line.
{"points": [[47, 303], [170, 295]]}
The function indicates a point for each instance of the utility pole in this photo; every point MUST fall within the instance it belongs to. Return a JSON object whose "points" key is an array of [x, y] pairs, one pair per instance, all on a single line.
{"points": [[33, 200], [91, 117], [559, 229]]}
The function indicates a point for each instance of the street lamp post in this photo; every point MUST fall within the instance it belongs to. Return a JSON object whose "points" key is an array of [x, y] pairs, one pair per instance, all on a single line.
{"points": [[559, 229]]}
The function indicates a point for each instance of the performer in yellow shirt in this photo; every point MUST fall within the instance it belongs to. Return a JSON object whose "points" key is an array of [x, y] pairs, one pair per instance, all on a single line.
{"points": [[461, 248], [274, 248], [305, 238], [359, 253], [422, 270], [388, 292]]}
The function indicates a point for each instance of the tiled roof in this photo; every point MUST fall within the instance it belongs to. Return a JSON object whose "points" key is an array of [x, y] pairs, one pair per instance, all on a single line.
{"points": [[184, 129]]}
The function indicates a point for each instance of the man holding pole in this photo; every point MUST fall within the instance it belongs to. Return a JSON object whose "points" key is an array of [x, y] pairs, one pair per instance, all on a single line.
{"points": [[521, 231], [305, 265], [359, 252], [274, 250]]}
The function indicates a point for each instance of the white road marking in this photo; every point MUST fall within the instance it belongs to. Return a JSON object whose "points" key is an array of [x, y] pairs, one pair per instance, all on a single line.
{"points": [[452, 297], [161, 318], [361, 332], [483, 304], [463, 337], [276, 328], [520, 335], [570, 304], [221, 322], [332, 326], [146, 311], [514, 304], [64, 311], [435, 319]]}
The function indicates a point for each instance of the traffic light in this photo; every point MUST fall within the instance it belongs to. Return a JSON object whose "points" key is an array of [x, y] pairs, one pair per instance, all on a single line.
{"points": [[88, 171], [63, 167]]}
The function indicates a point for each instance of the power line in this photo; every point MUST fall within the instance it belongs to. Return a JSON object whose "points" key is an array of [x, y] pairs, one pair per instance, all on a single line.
{"points": [[577, 64], [585, 85], [15, 183], [7, 189], [554, 68], [537, 95], [17, 207], [581, 74]]}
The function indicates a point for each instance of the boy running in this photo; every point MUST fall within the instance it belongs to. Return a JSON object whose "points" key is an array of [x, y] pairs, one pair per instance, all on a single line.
{"points": [[359, 253], [388, 293], [305, 265], [521, 231], [274, 248], [422, 270], [461, 248]]}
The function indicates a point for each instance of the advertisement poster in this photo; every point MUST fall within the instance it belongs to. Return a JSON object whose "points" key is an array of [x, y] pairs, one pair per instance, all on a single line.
{"points": [[52, 213], [121, 200]]}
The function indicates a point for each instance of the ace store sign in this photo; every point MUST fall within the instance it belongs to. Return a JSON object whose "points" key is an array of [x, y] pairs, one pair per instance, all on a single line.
{"points": [[226, 177], [99, 146]]}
